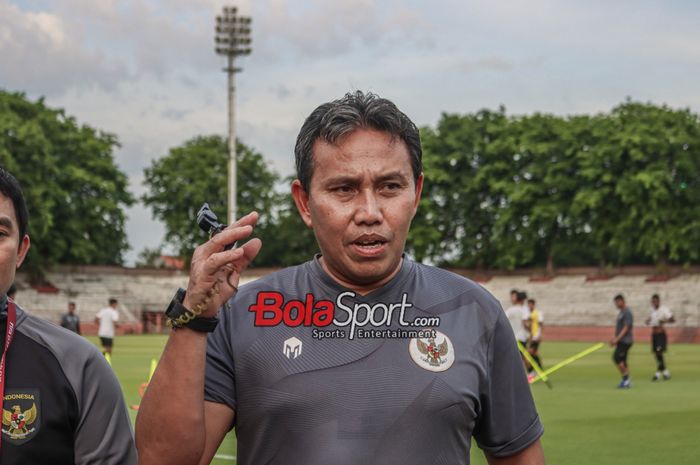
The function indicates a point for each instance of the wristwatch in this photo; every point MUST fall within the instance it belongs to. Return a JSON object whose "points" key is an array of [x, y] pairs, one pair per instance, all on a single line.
{"points": [[179, 316]]}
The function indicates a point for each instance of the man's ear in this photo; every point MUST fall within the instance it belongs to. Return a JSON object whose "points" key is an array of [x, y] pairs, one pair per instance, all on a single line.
{"points": [[301, 199], [23, 249], [419, 190]]}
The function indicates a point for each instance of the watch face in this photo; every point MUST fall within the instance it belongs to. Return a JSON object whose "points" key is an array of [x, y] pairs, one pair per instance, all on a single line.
{"points": [[172, 310]]}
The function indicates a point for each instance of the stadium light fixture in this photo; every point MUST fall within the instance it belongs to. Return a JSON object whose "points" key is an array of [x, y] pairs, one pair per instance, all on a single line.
{"points": [[232, 39]]}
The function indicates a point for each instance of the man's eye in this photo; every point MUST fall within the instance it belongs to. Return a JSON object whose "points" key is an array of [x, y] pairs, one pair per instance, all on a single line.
{"points": [[343, 189], [392, 186]]}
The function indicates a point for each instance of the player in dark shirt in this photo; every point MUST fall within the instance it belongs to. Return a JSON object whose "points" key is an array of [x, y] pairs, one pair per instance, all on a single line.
{"points": [[61, 403], [623, 340], [359, 356], [70, 320]]}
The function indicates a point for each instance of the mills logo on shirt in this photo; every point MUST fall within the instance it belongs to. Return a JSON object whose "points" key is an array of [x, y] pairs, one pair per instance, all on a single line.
{"points": [[20, 415]]}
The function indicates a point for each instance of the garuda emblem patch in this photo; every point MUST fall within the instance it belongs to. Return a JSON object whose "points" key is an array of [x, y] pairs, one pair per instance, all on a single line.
{"points": [[434, 353], [20, 415]]}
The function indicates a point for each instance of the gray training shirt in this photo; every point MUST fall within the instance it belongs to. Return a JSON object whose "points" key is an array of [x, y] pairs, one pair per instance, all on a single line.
{"points": [[625, 318], [405, 375]]}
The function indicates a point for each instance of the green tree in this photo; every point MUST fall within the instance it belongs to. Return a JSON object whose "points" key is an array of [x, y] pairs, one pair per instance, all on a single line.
{"points": [[544, 184], [196, 172], [540, 190], [75, 193], [655, 154], [291, 241], [467, 164], [596, 202]]}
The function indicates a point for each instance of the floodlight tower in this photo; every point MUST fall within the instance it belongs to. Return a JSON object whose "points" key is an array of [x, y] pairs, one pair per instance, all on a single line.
{"points": [[232, 39]]}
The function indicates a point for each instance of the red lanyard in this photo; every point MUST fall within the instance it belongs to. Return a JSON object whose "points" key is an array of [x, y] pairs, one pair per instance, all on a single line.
{"points": [[9, 334]]}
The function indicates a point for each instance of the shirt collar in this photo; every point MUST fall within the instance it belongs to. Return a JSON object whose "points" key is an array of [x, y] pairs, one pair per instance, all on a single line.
{"points": [[396, 281]]}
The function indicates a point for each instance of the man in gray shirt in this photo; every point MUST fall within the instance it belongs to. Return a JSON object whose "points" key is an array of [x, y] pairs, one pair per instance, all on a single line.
{"points": [[623, 340], [70, 320], [359, 356]]}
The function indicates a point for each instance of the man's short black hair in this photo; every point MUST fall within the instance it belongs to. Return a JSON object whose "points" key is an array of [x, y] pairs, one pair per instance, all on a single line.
{"points": [[356, 110], [513, 291], [522, 295], [532, 301], [10, 188], [112, 301], [619, 297], [655, 296]]}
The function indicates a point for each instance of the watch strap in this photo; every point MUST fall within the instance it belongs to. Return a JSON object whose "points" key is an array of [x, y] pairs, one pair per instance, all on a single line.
{"points": [[203, 325], [178, 316]]}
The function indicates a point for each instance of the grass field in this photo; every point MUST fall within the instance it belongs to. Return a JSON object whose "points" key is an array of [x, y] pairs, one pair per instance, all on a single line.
{"points": [[587, 421]]}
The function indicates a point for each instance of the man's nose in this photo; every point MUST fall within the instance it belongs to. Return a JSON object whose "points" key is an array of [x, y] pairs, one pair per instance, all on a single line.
{"points": [[368, 209]]}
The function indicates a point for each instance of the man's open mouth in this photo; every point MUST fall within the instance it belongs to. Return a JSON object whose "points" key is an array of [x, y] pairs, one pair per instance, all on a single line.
{"points": [[370, 242]]}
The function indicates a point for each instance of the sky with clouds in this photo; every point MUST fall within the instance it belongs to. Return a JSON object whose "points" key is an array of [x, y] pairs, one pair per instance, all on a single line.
{"points": [[146, 70]]}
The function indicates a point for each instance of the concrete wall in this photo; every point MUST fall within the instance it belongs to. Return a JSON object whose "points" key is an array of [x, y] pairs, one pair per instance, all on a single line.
{"points": [[574, 305]]}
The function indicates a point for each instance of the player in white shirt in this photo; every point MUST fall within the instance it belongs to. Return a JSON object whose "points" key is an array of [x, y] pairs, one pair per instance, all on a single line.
{"points": [[513, 296], [518, 315], [659, 316], [107, 318]]}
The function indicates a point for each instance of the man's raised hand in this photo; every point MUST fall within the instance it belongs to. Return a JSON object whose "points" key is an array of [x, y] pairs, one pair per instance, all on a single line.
{"points": [[215, 272]]}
